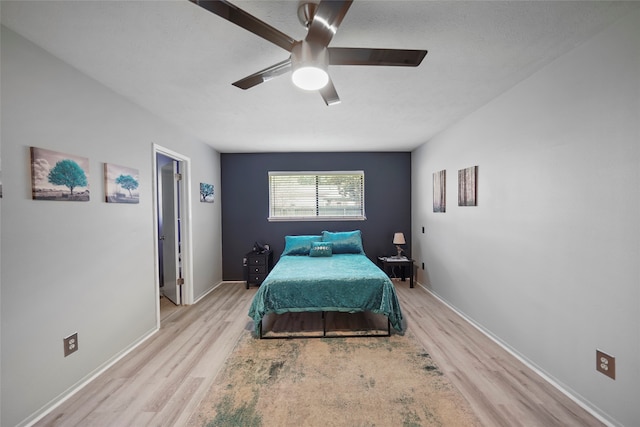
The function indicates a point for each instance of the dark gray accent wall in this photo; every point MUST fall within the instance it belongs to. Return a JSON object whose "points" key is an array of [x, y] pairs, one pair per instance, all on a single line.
{"points": [[245, 202]]}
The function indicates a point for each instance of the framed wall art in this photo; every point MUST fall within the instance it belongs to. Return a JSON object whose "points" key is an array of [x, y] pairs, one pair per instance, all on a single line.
{"points": [[206, 192], [121, 184], [468, 186], [59, 176], [439, 191]]}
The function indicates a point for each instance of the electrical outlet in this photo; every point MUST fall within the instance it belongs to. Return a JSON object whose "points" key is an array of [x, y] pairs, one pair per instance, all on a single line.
{"points": [[606, 364], [70, 344]]}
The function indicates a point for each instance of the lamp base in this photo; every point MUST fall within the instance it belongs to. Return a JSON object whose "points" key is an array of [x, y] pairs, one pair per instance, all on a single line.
{"points": [[399, 255]]}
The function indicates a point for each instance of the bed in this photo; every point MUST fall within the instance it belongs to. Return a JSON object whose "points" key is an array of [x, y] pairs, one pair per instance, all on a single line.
{"points": [[326, 273]]}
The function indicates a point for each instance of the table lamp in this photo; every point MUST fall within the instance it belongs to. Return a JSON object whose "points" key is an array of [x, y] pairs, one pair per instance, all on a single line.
{"points": [[398, 239]]}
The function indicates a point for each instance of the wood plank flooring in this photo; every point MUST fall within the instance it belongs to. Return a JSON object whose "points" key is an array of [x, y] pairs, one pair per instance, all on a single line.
{"points": [[163, 380], [501, 390]]}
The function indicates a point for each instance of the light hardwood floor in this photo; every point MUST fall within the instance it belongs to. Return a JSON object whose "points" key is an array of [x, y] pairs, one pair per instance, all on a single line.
{"points": [[163, 380]]}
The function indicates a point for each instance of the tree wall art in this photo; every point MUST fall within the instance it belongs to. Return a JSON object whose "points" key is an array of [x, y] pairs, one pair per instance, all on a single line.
{"points": [[121, 184], [59, 176], [440, 191], [468, 186], [206, 192]]}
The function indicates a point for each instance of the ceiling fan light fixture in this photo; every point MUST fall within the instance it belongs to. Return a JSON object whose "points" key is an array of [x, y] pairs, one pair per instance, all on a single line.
{"points": [[310, 78], [309, 66], [310, 57]]}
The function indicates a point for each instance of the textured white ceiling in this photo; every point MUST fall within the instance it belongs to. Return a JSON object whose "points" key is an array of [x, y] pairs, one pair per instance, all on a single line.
{"points": [[178, 61]]}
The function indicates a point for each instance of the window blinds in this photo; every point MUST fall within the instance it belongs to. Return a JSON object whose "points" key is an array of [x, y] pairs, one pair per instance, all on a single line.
{"points": [[308, 196]]}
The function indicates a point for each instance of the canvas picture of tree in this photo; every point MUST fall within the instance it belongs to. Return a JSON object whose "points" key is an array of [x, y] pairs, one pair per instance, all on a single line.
{"points": [[440, 191], [468, 186], [121, 184], [206, 192], [59, 176]]}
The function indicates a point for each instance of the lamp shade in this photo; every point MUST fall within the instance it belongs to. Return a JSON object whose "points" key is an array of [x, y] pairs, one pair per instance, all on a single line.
{"points": [[398, 239]]}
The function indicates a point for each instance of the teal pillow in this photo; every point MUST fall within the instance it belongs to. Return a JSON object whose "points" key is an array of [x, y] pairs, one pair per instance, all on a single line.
{"points": [[299, 245], [321, 249], [344, 242]]}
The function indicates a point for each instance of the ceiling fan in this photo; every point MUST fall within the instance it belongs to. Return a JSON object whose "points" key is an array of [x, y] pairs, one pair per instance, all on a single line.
{"points": [[310, 57]]}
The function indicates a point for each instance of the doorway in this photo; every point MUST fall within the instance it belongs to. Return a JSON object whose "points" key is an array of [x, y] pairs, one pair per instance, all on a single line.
{"points": [[172, 231]]}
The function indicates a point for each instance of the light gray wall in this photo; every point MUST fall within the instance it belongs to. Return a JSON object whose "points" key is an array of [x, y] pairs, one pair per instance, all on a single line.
{"points": [[72, 266], [548, 262], [206, 221]]}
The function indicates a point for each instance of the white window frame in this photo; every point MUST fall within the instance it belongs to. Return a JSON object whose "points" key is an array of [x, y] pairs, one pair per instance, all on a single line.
{"points": [[317, 216]]}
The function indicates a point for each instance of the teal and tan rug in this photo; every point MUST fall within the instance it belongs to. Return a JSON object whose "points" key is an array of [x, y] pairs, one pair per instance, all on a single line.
{"points": [[375, 381]]}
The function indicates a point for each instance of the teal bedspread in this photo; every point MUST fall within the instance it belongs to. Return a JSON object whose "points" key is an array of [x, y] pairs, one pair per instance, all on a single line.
{"points": [[342, 282]]}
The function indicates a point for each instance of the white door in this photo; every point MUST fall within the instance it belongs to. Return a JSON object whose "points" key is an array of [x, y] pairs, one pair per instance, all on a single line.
{"points": [[170, 233]]}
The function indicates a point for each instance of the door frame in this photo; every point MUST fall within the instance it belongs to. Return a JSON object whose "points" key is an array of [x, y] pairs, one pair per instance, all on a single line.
{"points": [[185, 225]]}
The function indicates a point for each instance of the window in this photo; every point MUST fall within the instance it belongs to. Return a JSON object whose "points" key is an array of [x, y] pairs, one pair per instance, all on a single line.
{"points": [[316, 196]]}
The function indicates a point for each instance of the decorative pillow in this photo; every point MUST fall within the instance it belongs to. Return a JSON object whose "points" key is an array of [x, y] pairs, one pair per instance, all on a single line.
{"points": [[321, 249], [344, 242], [299, 245]]}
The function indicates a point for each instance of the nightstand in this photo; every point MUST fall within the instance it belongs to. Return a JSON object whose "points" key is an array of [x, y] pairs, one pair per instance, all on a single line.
{"points": [[257, 265], [404, 263]]}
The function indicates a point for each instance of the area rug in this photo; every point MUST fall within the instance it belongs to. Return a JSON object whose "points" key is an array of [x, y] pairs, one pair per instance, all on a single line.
{"points": [[373, 381]]}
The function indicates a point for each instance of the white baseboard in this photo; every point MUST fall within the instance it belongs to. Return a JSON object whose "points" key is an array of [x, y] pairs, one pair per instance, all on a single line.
{"points": [[583, 403], [208, 292], [223, 282], [71, 391]]}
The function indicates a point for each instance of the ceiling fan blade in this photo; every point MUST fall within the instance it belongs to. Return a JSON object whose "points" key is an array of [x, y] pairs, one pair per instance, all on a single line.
{"points": [[264, 75], [329, 94], [249, 22], [326, 21], [364, 56]]}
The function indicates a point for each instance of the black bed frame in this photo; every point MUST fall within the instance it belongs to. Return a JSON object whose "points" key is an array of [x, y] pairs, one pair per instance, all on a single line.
{"points": [[324, 332]]}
